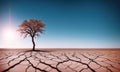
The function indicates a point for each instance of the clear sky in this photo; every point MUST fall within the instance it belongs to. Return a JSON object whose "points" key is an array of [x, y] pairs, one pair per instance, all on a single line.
{"points": [[69, 23]]}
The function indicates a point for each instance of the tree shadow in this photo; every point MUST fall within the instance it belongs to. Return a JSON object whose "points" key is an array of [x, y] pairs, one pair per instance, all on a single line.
{"points": [[37, 51]]}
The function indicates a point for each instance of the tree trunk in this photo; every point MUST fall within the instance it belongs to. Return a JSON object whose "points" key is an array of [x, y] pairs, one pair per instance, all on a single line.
{"points": [[33, 44]]}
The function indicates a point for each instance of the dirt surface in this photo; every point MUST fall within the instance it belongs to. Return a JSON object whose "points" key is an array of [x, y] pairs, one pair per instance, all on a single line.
{"points": [[60, 60]]}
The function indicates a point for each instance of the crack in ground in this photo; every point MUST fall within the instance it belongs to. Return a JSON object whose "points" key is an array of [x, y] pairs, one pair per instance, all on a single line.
{"points": [[60, 62]]}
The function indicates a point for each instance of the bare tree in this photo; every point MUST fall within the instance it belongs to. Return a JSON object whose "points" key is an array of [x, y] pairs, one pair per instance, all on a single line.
{"points": [[31, 28]]}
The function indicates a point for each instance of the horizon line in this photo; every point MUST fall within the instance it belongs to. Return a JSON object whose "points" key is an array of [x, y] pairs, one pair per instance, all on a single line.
{"points": [[65, 48]]}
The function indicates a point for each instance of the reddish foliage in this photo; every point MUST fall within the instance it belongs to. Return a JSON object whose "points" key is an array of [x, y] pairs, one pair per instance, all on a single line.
{"points": [[31, 27]]}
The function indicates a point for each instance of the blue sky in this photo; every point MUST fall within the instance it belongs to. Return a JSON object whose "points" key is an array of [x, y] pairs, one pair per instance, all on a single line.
{"points": [[69, 23]]}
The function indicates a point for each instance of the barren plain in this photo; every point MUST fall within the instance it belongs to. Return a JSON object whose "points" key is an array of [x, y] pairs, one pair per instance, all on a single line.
{"points": [[60, 60]]}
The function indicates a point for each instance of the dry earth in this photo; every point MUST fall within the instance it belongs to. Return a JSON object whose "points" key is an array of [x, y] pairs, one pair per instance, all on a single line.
{"points": [[60, 60]]}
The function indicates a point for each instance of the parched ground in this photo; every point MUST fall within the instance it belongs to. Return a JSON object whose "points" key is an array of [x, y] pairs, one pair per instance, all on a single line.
{"points": [[60, 60]]}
